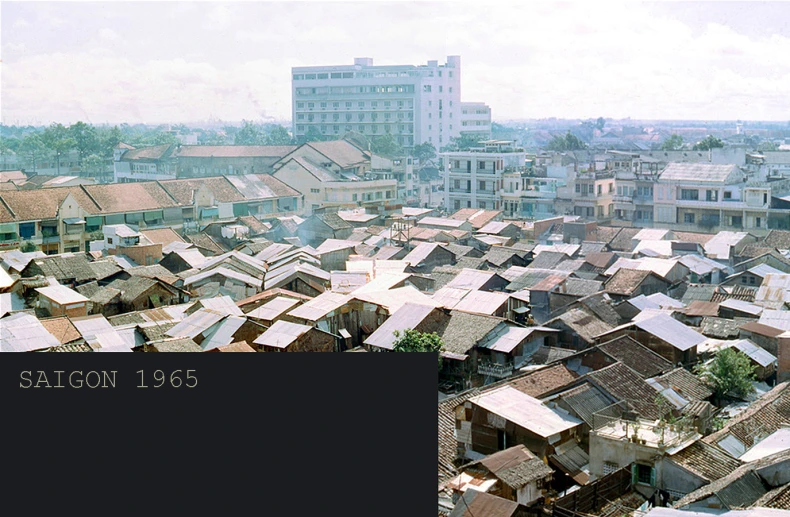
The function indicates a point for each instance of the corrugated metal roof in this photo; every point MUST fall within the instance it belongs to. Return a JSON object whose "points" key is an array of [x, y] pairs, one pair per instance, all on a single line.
{"points": [[273, 309], [408, 316], [22, 332], [525, 411], [195, 324], [227, 273], [320, 306], [672, 331], [471, 279], [509, 337], [61, 294], [719, 246], [223, 333], [775, 318], [394, 299], [282, 334], [741, 306], [482, 302]]}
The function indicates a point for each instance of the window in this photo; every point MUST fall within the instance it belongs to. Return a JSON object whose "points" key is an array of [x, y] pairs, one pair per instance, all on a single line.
{"points": [[378, 195], [611, 187], [590, 211], [482, 185], [300, 116], [688, 218], [311, 105], [109, 240], [348, 105], [578, 188], [426, 88], [360, 105], [481, 204], [751, 280], [299, 105], [689, 195], [315, 190], [457, 204], [757, 222], [743, 279], [457, 184], [335, 105], [323, 105], [451, 89], [374, 104], [727, 194], [737, 220], [388, 194], [600, 189], [609, 467], [643, 474], [440, 89], [481, 165], [711, 195], [361, 129]]}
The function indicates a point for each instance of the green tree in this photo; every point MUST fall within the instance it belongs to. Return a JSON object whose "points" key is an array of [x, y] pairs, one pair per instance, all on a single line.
{"points": [[411, 340], [58, 140], [33, 150], [279, 136], [385, 145], [250, 134], [85, 139], [424, 152], [767, 145], [710, 142], [27, 247], [568, 142], [673, 143], [730, 371], [7, 146], [108, 139], [462, 143], [93, 166], [600, 123]]}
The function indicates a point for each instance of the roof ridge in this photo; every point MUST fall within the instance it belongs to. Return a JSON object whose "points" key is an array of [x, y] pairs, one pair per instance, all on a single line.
{"points": [[85, 190]]}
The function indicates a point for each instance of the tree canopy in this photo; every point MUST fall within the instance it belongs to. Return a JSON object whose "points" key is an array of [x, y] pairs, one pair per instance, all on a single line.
{"points": [[730, 371], [411, 340], [710, 142], [424, 152], [385, 145], [461, 143], [673, 143], [568, 142]]}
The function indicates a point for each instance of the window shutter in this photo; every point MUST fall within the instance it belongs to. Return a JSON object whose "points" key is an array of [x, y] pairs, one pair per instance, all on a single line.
{"points": [[652, 477], [634, 474]]}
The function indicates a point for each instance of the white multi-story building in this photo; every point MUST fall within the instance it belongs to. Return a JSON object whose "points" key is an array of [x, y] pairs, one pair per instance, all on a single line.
{"points": [[473, 179], [416, 104], [476, 120]]}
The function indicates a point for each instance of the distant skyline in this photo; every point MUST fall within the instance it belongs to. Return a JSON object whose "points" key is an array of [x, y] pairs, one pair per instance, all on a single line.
{"points": [[159, 62]]}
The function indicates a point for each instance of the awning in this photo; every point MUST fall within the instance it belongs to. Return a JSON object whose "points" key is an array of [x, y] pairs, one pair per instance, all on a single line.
{"points": [[94, 221], [74, 220], [209, 212], [8, 228], [345, 334], [153, 216], [451, 355]]}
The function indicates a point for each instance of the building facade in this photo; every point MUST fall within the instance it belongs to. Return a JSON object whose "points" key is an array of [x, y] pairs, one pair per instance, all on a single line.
{"points": [[474, 178], [415, 104], [476, 120]]}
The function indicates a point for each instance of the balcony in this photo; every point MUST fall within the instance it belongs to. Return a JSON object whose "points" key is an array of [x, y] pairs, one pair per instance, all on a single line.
{"points": [[499, 371]]}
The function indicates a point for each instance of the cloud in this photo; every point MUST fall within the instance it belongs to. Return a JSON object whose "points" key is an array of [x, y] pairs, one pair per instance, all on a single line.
{"points": [[526, 61]]}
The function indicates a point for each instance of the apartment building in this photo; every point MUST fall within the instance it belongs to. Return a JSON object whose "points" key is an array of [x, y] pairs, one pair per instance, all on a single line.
{"points": [[474, 178], [415, 104], [588, 193], [715, 197], [63, 219], [528, 197], [476, 120]]}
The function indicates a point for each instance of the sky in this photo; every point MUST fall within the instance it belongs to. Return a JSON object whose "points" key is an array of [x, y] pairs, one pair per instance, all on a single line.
{"points": [[171, 62]]}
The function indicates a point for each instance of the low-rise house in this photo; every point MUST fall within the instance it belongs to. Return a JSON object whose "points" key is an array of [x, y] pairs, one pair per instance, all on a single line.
{"points": [[502, 417], [59, 300], [285, 336], [579, 328], [474, 503], [22, 332], [664, 335], [422, 318], [224, 281], [181, 260], [209, 329], [319, 227], [426, 256], [274, 309], [514, 474]]}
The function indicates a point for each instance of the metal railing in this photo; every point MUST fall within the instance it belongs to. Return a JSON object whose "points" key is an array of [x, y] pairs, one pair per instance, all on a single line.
{"points": [[500, 371]]}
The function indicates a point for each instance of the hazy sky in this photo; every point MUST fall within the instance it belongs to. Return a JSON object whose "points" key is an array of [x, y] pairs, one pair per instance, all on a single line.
{"points": [[159, 62]]}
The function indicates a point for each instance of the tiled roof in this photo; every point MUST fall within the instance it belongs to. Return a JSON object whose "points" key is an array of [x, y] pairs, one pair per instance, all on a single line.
{"points": [[333, 221], [583, 322], [62, 328], [130, 197], [279, 188], [606, 234], [778, 498], [341, 152], [625, 281], [697, 172], [447, 443], [465, 329], [155, 152], [622, 241], [686, 384], [706, 461], [515, 466], [544, 381], [30, 205], [184, 190], [163, 236], [779, 239], [626, 385], [639, 358], [232, 151], [764, 416]]}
